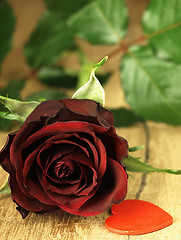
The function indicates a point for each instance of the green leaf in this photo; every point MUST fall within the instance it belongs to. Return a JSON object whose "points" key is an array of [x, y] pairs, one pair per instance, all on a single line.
{"points": [[18, 108], [162, 24], [124, 117], [48, 40], [135, 165], [46, 95], [57, 77], [134, 149], [12, 90], [64, 9], [5, 189], [7, 23], [92, 89], [101, 22], [10, 116], [153, 86]]}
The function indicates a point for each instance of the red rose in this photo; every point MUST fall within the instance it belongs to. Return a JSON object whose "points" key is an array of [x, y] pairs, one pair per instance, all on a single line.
{"points": [[66, 157]]}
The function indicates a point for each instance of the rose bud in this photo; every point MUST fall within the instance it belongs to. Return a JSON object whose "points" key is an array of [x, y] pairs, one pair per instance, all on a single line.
{"points": [[66, 157]]}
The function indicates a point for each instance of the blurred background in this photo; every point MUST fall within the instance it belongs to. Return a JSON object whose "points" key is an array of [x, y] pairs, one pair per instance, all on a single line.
{"points": [[46, 57], [48, 49]]}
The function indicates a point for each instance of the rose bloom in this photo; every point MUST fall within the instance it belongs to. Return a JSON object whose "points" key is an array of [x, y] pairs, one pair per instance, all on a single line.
{"points": [[66, 157]]}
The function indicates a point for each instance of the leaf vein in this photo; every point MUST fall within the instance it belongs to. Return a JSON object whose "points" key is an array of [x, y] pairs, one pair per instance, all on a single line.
{"points": [[154, 84], [164, 30], [106, 20]]}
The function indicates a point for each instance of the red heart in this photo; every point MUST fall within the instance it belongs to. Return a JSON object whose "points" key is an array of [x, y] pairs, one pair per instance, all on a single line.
{"points": [[134, 217]]}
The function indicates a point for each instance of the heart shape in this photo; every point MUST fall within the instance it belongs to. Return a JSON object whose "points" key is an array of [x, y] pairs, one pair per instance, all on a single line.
{"points": [[135, 217]]}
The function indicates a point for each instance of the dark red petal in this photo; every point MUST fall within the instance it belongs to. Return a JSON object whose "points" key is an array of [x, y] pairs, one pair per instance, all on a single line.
{"points": [[47, 109], [28, 163], [99, 156], [22, 135], [102, 158], [18, 196], [74, 205], [116, 147], [56, 197], [59, 199], [89, 180], [31, 181], [113, 189], [46, 151], [5, 153], [36, 191], [68, 127], [120, 180], [121, 146], [54, 131], [87, 172], [64, 189], [89, 146], [94, 112]]}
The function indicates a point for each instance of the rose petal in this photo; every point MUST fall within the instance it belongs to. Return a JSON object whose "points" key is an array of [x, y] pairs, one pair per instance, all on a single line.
{"points": [[116, 147], [28, 163], [29, 183], [18, 196], [4, 153], [102, 158], [89, 145], [74, 204], [113, 188], [38, 192], [46, 109], [64, 189], [21, 136], [56, 197], [51, 144], [58, 150], [89, 176], [99, 156], [86, 166], [90, 109]]}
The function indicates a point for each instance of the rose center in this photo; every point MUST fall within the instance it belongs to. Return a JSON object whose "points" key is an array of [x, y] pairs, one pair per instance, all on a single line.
{"points": [[62, 170]]}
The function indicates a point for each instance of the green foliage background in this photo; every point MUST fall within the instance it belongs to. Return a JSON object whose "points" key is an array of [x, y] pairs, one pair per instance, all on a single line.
{"points": [[150, 69]]}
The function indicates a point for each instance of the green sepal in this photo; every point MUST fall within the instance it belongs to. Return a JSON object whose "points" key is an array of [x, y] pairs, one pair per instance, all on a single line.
{"points": [[18, 110], [10, 116], [92, 89], [135, 165]]}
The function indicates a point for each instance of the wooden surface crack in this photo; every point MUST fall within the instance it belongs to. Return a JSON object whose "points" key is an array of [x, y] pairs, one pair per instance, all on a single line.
{"points": [[144, 176]]}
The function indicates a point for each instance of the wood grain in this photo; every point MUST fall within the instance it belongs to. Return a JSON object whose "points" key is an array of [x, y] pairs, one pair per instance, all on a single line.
{"points": [[163, 148], [160, 189]]}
